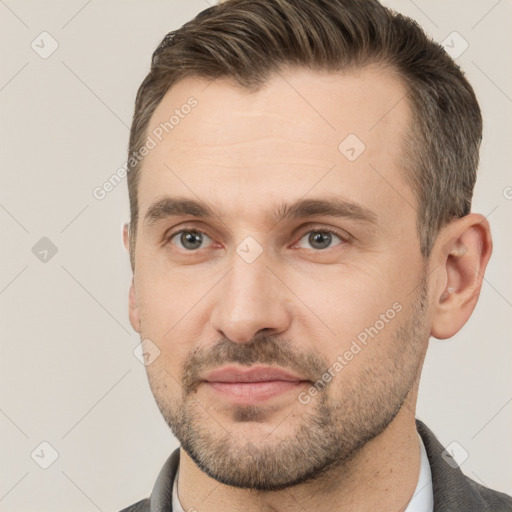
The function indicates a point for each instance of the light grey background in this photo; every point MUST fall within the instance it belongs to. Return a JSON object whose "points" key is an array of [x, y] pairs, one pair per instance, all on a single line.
{"points": [[68, 375]]}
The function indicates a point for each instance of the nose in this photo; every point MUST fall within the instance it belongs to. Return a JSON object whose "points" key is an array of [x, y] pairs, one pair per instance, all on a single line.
{"points": [[251, 301]]}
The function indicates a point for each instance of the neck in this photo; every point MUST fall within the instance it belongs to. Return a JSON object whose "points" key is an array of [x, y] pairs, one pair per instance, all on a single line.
{"points": [[381, 476]]}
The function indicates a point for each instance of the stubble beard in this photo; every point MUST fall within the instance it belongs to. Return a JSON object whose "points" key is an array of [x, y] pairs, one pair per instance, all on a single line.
{"points": [[323, 435]]}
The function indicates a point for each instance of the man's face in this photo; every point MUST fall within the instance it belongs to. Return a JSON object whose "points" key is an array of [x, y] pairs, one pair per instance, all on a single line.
{"points": [[311, 292]]}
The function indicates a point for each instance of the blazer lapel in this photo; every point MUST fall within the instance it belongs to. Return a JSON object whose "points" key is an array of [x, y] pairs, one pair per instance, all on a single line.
{"points": [[453, 491], [161, 496]]}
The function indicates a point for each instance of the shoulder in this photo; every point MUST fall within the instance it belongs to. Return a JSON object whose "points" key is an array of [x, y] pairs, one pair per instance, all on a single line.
{"points": [[161, 495], [494, 500], [140, 506], [453, 490]]}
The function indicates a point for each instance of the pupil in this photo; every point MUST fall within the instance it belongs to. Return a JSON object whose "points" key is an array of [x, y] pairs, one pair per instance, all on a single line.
{"points": [[319, 237], [191, 240]]}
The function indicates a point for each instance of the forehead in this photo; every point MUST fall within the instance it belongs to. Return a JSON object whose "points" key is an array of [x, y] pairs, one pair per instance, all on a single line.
{"points": [[302, 131]]}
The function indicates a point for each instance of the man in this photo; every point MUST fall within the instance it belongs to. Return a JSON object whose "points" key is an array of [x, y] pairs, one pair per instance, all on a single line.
{"points": [[300, 181]]}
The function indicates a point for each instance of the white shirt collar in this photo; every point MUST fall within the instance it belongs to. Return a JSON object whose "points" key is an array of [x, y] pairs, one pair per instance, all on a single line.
{"points": [[176, 505], [423, 497], [422, 500]]}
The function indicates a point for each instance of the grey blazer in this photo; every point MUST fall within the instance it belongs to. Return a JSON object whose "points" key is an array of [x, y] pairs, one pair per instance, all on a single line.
{"points": [[453, 491]]}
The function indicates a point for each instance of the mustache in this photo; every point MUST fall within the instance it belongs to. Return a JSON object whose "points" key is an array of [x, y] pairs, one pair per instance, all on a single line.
{"points": [[267, 350]]}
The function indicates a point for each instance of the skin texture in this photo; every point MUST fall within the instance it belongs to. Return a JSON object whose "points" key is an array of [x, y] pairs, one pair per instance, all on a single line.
{"points": [[303, 301]]}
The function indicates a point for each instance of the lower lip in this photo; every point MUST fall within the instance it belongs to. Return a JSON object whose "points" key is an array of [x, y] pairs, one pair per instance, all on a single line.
{"points": [[249, 392]]}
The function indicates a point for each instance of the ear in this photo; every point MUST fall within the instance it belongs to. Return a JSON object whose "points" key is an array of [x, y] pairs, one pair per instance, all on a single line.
{"points": [[462, 251], [126, 236], [133, 309]]}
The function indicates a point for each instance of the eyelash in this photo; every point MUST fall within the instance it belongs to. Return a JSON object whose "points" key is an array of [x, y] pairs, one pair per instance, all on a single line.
{"points": [[344, 237]]}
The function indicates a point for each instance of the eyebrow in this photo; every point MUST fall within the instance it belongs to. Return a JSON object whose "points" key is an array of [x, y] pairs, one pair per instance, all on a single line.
{"points": [[169, 207]]}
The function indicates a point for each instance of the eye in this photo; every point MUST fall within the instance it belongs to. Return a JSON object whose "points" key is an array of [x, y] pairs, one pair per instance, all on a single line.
{"points": [[317, 239], [320, 239], [190, 239]]}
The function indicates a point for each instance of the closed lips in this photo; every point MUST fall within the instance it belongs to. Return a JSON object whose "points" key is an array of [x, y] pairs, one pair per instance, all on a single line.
{"points": [[257, 374]]}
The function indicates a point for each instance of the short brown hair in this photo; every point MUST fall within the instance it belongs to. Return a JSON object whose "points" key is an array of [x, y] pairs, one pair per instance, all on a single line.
{"points": [[247, 40]]}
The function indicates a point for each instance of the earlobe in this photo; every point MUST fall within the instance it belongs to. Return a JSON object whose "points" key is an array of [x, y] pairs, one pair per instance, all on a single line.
{"points": [[463, 250]]}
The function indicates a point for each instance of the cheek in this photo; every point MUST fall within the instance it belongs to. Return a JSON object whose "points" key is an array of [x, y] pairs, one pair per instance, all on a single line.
{"points": [[346, 298], [168, 316], [351, 315], [166, 297]]}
